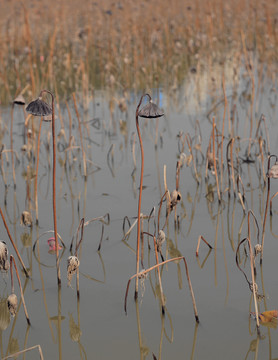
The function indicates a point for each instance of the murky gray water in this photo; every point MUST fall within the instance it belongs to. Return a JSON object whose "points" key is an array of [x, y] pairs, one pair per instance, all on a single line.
{"points": [[96, 327]]}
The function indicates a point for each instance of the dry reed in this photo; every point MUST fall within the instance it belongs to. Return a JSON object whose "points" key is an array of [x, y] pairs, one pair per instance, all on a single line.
{"points": [[70, 56]]}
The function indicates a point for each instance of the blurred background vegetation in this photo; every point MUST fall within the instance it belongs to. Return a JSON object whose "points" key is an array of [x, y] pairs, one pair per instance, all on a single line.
{"points": [[69, 45]]}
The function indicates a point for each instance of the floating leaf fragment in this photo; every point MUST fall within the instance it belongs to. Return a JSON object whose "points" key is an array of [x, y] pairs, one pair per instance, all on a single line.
{"points": [[267, 317]]}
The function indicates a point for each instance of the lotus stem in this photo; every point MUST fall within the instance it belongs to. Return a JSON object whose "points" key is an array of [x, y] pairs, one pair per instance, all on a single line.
{"points": [[21, 292], [14, 245], [198, 245]]}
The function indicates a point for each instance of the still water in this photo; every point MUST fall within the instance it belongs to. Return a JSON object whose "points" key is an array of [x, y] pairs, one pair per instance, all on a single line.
{"points": [[95, 326]]}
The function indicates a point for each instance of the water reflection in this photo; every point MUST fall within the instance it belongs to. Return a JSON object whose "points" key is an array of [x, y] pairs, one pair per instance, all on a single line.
{"points": [[99, 176]]}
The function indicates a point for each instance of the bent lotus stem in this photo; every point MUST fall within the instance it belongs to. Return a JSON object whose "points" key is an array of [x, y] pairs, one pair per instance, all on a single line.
{"points": [[149, 111], [142, 273], [198, 245], [252, 285], [40, 108], [159, 210]]}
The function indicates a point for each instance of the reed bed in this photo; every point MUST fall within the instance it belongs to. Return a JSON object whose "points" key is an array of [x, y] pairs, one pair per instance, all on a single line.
{"points": [[69, 46]]}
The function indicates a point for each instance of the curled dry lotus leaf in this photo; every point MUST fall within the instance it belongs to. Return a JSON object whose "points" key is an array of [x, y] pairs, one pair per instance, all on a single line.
{"points": [[185, 159], [150, 110], [4, 314], [160, 240], [273, 172], [4, 262], [210, 160], [72, 266], [12, 304], [26, 219], [182, 158], [256, 288], [161, 236], [175, 198], [39, 107], [258, 249]]}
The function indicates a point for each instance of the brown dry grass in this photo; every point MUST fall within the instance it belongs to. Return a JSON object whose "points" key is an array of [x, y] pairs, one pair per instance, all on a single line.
{"points": [[70, 45]]}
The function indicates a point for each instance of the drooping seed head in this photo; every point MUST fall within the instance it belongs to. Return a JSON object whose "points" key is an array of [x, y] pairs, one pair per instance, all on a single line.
{"points": [[161, 237], [12, 304], [151, 110], [19, 100], [39, 107], [258, 249], [273, 172]]}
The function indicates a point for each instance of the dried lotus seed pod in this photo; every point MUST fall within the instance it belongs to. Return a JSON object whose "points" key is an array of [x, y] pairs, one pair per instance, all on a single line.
{"points": [[72, 266], [175, 198], [26, 219], [12, 304]]}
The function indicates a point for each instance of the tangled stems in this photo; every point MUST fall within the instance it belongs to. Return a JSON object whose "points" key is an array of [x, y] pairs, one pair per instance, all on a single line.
{"points": [[252, 285], [143, 274]]}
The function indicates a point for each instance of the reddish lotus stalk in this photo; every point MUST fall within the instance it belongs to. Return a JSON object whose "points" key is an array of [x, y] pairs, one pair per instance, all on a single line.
{"points": [[37, 171], [198, 245], [149, 111], [140, 196], [40, 108], [54, 189]]}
